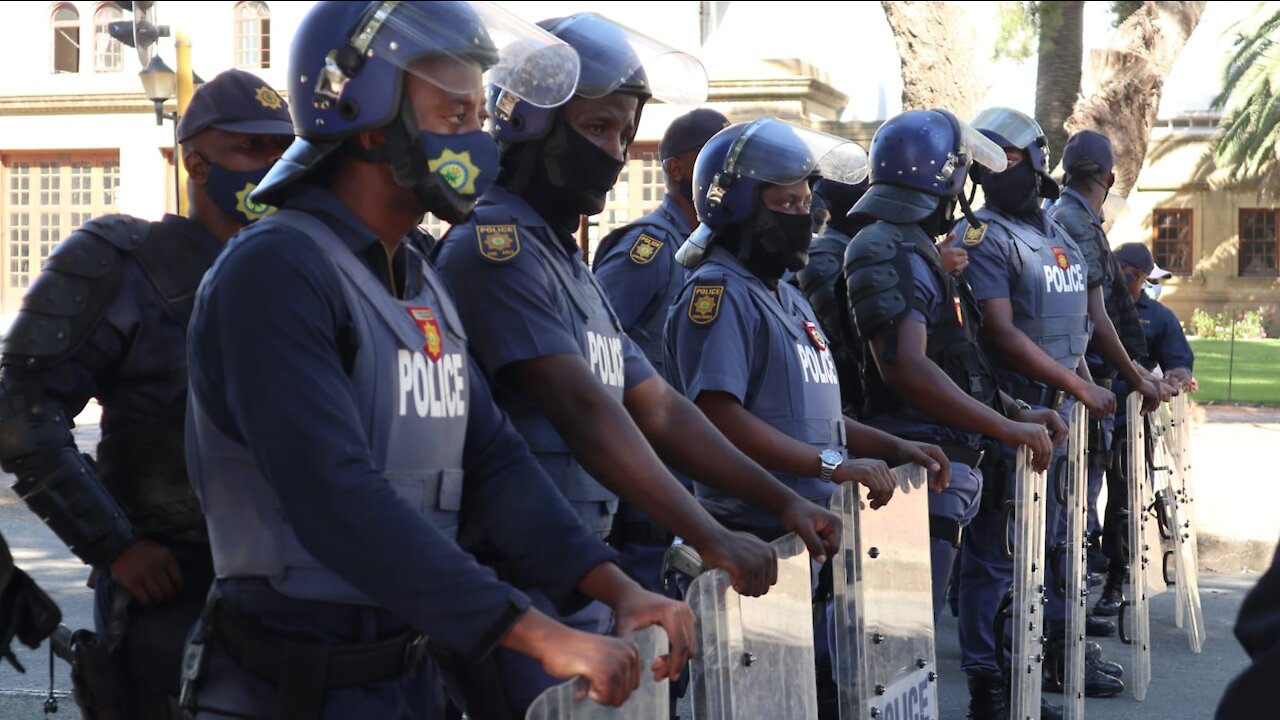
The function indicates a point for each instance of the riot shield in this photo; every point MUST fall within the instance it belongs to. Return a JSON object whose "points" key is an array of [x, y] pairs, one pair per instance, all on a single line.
{"points": [[884, 634], [568, 701], [1145, 578], [1072, 488], [755, 655], [1026, 671], [1176, 527]]}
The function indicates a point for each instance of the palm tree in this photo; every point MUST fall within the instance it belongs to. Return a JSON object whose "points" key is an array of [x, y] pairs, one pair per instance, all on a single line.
{"points": [[1250, 128]]}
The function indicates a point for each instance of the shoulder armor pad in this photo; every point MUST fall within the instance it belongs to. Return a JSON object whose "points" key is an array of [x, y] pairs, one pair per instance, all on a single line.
{"points": [[64, 304], [878, 271], [123, 231]]}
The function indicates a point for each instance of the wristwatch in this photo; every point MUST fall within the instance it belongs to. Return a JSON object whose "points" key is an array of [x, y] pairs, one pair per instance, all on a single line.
{"points": [[1016, 406], [830, 461]]}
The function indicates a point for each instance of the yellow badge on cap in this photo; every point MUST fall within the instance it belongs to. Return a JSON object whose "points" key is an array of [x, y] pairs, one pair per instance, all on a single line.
{"points": [[974, 234], [498, 243], [252, 210], [645, 249], [268, 98], [456, 169], [704, 306]]}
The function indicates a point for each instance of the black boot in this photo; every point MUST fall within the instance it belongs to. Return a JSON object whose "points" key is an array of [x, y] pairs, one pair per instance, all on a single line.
{"points": [[1049, 711], [988, 697], [1102, 665], [1097, 684], [1098, 627], [1112, 596]]}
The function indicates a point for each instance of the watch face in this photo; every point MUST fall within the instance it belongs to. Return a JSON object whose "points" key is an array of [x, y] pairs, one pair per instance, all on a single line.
{"points": [[830, 457]]}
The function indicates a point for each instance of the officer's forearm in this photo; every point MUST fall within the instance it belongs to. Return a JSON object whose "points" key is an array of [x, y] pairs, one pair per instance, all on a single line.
{"points": [[761, 442], [918, 380], [688, 441], [1107, 343], [603, 438], [868, 442], [607, 583]]}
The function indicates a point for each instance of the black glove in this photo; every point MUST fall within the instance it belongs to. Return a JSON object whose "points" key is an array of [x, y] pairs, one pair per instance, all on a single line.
{"points": [[26, 612]]}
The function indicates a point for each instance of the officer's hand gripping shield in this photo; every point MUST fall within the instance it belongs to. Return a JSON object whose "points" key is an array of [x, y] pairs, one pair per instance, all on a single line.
{"points": [[1028, 588], [755, 655], [1176, 526], [1072, 489], [884, 635], [651, 701]]}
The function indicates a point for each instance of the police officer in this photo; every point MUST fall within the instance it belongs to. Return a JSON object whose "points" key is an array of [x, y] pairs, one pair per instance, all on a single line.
{"points": [[340, 438], [746, 347], [577, 388], [107, 318], [930, 380], [1117, 342], [1030, 278], [1168, 349], [820, 281], [636, 266]]}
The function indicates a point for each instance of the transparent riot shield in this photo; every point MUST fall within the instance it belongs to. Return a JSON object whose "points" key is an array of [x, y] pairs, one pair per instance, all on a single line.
{"points": [[1072, 487], [1176, 527], [1145, 578], [884, 635], [568, 700], [1026, 671], [755, 655]]}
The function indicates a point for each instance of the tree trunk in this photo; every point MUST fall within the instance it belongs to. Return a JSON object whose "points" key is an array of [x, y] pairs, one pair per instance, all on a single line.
{"points": [[1125, 82], [1058, 68], [937, 68]]}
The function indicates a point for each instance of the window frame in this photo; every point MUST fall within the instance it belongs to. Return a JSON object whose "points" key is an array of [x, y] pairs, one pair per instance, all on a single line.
{"points": [[114, 48], [56, 25], [262, 47], [1157, 242], [1275, 242]]}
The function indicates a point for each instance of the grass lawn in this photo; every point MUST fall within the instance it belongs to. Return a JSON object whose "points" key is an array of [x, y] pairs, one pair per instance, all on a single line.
{"points": [[1255, 379]]}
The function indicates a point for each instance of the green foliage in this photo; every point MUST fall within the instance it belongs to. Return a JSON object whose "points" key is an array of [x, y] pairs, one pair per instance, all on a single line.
{"points": [[1248, 325], [1019, 26], [1250, 374], [1122, 9], [1250, 126]]}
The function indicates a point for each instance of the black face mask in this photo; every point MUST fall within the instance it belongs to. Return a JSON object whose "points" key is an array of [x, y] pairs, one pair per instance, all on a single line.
{"points": [[686, 189], [942, 219], [784, 238], [583, 173], [1015, 191]]}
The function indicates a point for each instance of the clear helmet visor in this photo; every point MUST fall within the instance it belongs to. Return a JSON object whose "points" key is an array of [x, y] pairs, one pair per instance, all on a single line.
{"points": [[983, 150], [780, 153], [1016, 127], [614, 56], [423, 38]]}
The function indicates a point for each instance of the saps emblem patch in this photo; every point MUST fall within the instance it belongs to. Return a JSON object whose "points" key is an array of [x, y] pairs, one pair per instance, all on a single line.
{"points": [[1060, 253], [704, 306], [498, 243], [645, 249], [974, 234], [426, 320]]}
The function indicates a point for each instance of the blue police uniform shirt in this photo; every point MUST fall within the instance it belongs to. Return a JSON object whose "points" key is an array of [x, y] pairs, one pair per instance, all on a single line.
{"points": [[908, 421], [284, 390], [637, 275], [727, 333], [510, 309], [1167, 344], [990, 274]]}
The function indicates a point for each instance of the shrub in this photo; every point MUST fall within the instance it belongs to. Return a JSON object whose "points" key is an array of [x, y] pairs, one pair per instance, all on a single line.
{"points": [[1249, 324]]}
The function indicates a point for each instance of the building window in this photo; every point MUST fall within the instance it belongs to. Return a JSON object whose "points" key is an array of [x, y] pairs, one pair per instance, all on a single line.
{"points": [[653, 180], [108, 54], [1258, 242], [1172, 247], [66, 39], [253, 35], [49, 195]]}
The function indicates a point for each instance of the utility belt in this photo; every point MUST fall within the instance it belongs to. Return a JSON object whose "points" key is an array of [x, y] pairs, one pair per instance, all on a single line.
{"points": [[962, 454], [638, 532], [1103, 375], [303, 671], [1037, 395]]}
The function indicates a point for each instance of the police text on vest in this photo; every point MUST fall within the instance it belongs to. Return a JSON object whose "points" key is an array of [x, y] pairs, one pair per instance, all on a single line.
{"points": [[1057, 280], [605, 355], [819, 367], [436, 388]]}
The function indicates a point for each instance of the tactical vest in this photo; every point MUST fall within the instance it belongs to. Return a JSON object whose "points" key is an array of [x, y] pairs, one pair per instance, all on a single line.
{"points": [[585, 308], [823, 284], [648, 327], [952, 344], [411, 385], [1049, 298], [793, 386]]}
